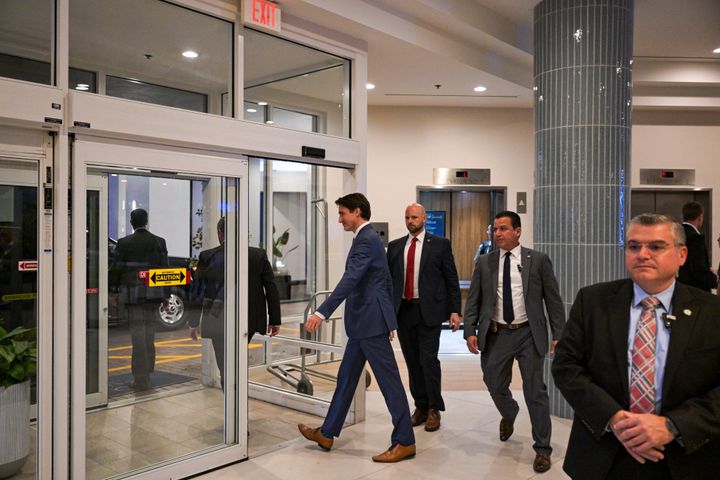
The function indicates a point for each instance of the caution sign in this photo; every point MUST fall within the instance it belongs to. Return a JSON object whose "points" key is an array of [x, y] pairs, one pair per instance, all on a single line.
{"points": [[164, 277], [15, 297]]}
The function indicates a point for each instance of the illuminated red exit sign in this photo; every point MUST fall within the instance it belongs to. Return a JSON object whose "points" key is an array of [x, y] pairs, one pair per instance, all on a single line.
{"points": [[262, 13]]}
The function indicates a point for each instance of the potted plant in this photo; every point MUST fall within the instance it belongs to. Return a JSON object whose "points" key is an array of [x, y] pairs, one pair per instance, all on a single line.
{"points": [[282, 277], [18, 363]]}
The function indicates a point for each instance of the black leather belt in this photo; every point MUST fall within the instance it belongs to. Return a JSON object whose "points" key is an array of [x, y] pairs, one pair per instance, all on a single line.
{"points": [[414, 301], [495, 326]]}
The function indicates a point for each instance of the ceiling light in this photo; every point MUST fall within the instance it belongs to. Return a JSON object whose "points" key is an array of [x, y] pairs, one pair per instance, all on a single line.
{"points": [[251, 110], [189, 54], [262, 104], [269, 122], [717, 50], [370, 86], [480, 88]]}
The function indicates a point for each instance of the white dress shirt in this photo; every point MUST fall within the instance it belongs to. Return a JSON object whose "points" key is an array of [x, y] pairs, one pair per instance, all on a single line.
{"points": [[518, 299]]}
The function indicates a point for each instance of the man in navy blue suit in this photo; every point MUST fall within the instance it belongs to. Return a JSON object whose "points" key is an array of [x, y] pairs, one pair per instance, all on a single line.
{"points": [[366, 289]]}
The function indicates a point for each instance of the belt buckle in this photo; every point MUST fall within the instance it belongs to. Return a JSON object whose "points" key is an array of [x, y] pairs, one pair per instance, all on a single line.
{"points": [[513, 326], [493, 327]]}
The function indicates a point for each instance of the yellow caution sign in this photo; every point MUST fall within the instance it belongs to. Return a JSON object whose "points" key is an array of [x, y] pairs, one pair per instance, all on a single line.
{"points": [[14, 297], [165, 277]]}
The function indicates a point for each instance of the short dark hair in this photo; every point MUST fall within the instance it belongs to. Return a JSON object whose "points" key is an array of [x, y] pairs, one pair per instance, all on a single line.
{"points": [[691, 211], [352, 201], [514, 217], [650, 219], [221, 225], [139, 218]]}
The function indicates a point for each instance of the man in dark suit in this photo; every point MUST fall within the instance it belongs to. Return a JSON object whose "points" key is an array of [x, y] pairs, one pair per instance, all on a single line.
{"points": [[136, 254], [208, 290], [638, 361], [370, 321], [696, 270], [511, 288], [426, 293]]}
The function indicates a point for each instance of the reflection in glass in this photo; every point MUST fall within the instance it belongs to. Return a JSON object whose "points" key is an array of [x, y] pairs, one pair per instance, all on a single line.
{"points": [[163, 391], [299, 80], [26, 40], [18, 310], [140, 57]]}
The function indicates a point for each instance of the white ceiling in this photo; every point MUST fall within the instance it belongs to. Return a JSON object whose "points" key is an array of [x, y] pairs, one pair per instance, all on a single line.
{"points": [[414, 45]]}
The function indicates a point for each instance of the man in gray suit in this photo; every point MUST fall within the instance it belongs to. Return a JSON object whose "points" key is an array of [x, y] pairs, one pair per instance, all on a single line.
{"points": [[505, 319]]}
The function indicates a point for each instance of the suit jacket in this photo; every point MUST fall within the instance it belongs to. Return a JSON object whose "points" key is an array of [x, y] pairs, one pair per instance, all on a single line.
{"points": [[366, 289], [208, 288], [138, 252], [263, 296], [696, 271], [438, 284], [591, 371], [540, 289]]}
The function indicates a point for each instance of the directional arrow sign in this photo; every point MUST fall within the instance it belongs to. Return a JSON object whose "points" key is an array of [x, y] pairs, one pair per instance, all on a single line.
{"points": [[28, 265], [164, 277]]}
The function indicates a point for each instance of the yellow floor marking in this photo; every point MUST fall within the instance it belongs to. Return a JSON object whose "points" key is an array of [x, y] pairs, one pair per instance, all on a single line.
{"points": [[127, 367]]}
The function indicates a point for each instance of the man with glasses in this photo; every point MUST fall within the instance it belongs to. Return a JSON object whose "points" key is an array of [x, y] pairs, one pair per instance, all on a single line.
{"points": [[638, 361]]}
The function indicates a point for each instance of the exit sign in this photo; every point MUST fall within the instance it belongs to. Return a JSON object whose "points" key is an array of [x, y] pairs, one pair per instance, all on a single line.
{"points": [[262, 13]]}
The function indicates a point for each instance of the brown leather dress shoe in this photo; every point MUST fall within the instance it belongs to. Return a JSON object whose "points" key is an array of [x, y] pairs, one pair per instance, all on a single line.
{"points": [[418, 417], [506, 429], [395, 453], [542, 462], [315, 435], [433, 420]]}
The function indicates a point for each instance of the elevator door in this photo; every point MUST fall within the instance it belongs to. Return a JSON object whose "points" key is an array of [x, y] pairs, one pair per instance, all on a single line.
{"points": [[670, 202]]}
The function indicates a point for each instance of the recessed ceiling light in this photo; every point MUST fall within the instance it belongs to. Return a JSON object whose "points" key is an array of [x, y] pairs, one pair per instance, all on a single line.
{"points": [[189, 54], [262, 104], [370, 86], [251, 110], [480, 88], [717, 50], [269, 122]]}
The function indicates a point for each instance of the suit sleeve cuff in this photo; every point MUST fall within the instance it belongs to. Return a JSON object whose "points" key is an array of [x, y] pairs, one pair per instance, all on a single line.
{"points": [[317, 313]]}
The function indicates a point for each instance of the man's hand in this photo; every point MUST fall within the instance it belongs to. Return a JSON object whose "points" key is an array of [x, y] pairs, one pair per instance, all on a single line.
{"points": [[273, 330], [312, 323], [216, 308], [454, 321], [553, 344], [643, 435], [391, 335], [472, 344], [194, 333]]}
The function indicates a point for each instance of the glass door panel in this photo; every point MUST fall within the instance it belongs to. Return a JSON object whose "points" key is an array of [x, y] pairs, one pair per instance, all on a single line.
{"points": [[19, 304], [161, 318]]}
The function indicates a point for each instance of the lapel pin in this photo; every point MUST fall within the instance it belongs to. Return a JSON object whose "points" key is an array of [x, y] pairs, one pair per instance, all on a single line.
{"points": [[687, 312]]}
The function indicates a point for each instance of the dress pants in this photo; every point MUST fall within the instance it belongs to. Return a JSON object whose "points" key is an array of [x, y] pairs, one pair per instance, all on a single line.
{"points": [[378, 352], [501, 349], [420, 344], [141, 320], [627, 468]]}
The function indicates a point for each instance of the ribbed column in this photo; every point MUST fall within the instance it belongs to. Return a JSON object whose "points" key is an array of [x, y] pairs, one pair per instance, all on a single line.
{"points": [[583, 92]]}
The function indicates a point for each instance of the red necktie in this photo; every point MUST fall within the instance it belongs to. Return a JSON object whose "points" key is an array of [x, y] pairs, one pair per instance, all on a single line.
{"points": [[410, 271], [642, 372]]}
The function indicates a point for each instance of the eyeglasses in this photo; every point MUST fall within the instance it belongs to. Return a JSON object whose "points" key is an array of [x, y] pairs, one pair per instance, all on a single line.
{"points": [[654, 248]]}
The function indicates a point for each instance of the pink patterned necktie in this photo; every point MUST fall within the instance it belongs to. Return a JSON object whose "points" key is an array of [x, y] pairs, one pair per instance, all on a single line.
{"points": [[642, 373]]}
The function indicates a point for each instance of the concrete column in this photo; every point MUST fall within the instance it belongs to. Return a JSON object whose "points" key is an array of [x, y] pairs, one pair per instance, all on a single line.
{"points": [[583, 94]]}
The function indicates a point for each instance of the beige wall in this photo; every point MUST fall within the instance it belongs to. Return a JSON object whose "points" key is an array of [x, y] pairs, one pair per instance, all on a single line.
{"points": [[406, 143]]}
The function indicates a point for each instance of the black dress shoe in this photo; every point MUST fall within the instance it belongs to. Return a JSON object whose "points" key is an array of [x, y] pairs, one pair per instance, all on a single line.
{"points": [[542, 462], [506, 429]]}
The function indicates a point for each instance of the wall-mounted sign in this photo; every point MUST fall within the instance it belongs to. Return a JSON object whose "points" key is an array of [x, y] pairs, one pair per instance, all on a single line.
{"points": [[435, 223], [262, 13], [27, 266], [461, 176]]}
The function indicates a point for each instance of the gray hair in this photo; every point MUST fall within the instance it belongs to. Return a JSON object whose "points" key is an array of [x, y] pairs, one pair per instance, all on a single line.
{"points": [[648, 219]]}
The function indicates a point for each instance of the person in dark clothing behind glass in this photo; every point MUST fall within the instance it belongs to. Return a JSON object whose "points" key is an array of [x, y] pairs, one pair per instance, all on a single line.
{"points": [[696, 271], [138, 253], [208, 290]]}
